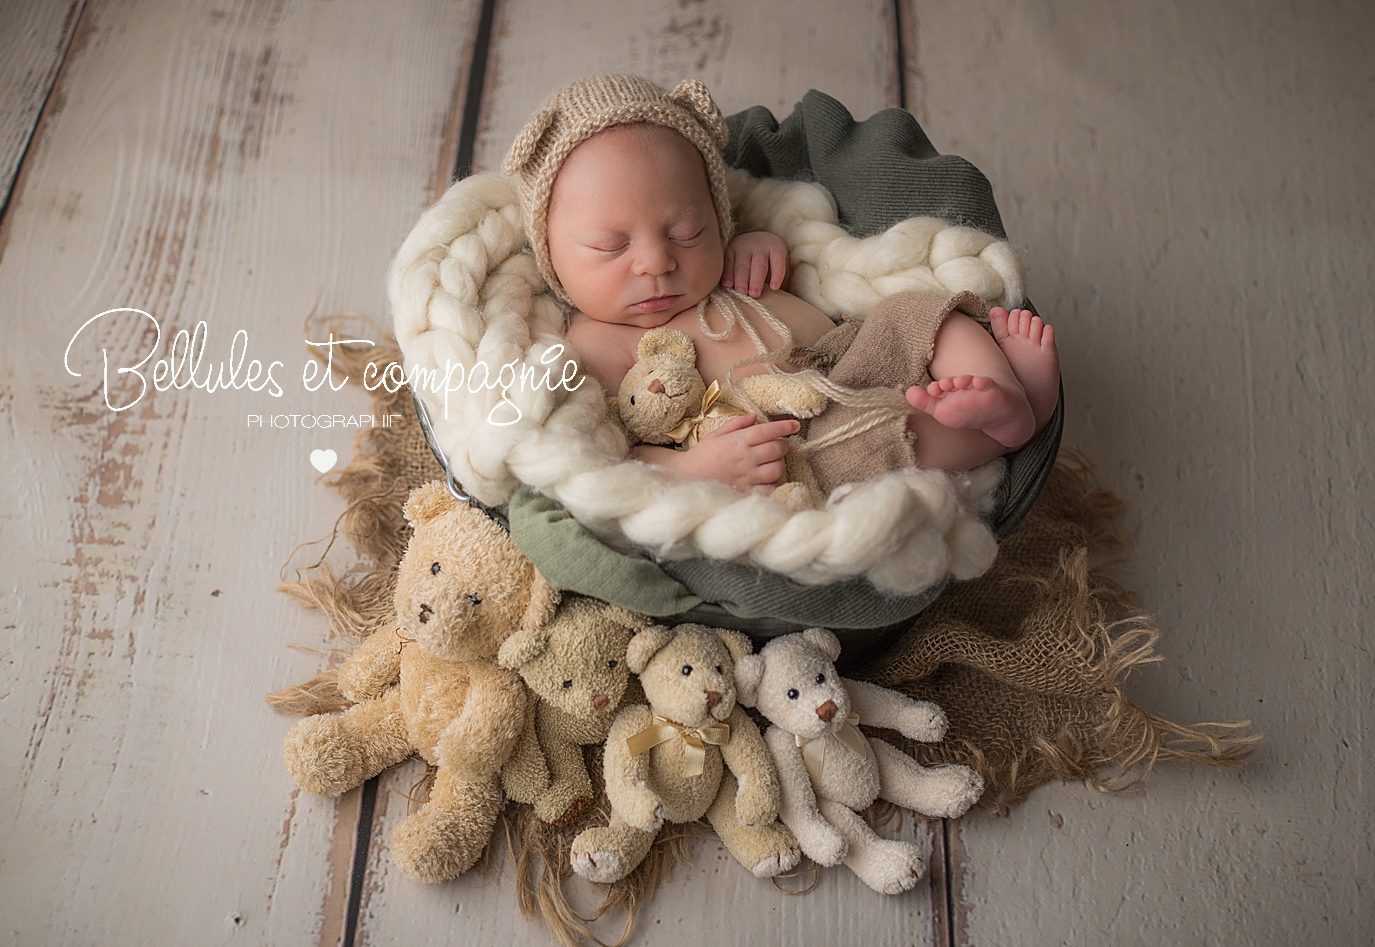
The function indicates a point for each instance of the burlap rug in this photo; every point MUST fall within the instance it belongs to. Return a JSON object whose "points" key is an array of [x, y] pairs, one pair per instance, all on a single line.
{"points": [[1028, 660]]}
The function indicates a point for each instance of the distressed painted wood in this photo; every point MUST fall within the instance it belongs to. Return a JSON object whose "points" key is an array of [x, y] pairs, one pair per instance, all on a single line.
{"points": [[34, 38], [1191, 183], [239, 164]]}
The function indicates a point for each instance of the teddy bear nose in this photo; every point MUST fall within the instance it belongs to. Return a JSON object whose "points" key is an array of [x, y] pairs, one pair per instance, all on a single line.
{"points": [[425, 613], [600, 701], [713, 698], [656, 386], [827, 711]]}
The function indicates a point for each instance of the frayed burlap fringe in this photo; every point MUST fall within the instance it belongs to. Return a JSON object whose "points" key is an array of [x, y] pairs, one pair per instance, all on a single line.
{"points": [[1029, 660]]}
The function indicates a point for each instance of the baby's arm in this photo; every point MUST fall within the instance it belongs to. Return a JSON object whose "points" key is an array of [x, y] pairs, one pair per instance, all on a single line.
{"points": [[753, 258], [740, 453]]}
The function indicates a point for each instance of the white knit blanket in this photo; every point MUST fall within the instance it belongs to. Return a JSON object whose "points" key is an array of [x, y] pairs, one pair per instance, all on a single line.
{"points": [[467, 301]]}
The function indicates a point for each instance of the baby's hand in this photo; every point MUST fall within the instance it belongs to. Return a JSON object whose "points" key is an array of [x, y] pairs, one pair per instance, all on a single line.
{"points": [[742, 453], [753, 257]]}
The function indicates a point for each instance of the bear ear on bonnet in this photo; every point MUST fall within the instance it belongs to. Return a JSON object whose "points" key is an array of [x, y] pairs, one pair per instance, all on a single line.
{"points": [[527, 142], [694, 96]]}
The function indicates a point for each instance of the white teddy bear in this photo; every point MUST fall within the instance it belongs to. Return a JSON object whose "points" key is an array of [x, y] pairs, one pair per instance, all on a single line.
{"points": [[829, 771]]}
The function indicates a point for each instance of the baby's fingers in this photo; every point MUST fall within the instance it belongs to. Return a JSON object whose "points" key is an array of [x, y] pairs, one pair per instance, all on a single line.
{"points": [[769, 473], [759, 268], [778, 265], [774, 430], [742, 271], [734, 424], [728, 271]]}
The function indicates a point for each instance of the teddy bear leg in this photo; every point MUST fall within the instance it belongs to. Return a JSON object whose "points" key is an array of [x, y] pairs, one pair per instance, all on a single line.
{"points": [[569, 792], [888, 866], [766, 850], [608, 853], [445, 838], [329, 754], [943, 792]]}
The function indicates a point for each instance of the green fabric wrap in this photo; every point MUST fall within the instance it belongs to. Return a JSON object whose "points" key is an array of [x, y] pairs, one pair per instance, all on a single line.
{"points": [[881, 171]]}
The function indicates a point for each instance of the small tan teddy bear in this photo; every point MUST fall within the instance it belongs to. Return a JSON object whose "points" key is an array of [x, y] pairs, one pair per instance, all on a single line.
{"points": [[431, 685], [664, 400], [576, 671], [691, 752], [829, 771]]}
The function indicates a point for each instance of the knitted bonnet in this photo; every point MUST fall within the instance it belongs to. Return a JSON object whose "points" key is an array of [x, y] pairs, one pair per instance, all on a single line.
{"points": [[579, 110]]}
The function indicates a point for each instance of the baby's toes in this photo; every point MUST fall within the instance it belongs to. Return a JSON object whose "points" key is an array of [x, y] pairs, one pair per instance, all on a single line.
{"points": [[1048, 338], [997, 318]]}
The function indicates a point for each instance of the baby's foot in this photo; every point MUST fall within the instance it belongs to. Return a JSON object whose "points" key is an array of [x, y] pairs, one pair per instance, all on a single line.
{"points": [[1029, 346], [976, 402]]}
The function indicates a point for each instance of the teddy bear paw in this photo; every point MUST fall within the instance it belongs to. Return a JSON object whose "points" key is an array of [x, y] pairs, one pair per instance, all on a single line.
{"points": [[321, 758], [952, 790], [601, 867], [826, 848], [776, 863], [908, 870]]}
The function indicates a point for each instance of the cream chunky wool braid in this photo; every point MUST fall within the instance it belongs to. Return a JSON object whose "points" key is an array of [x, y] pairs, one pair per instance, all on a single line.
{"points": [[462, 291]]}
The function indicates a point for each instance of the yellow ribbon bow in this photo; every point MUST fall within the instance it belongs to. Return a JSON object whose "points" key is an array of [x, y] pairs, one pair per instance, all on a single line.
{"points": [[694, 739], [848, 736], [688, 431]]}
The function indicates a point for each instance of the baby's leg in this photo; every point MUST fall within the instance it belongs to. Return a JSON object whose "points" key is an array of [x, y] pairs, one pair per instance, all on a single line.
{"points": [[1029, 344], [975, 388]]}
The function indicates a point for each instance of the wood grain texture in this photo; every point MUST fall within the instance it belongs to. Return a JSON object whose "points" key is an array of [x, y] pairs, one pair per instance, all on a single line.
{"points": [[1192, 187], [34, 39], [238, 164]]}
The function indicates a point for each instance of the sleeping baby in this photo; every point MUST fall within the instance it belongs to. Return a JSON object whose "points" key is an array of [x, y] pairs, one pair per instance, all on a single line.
{"points": [[623, 189]]}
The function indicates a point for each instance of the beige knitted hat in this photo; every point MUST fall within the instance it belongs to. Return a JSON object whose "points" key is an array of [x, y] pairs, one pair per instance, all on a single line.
{"points": [[578, 111]]}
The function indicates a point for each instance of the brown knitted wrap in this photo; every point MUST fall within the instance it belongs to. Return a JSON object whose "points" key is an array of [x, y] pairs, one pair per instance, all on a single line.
{"points": [[577, 111]]}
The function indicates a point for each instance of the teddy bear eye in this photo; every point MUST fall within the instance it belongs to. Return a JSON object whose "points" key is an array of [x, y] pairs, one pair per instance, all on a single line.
{"points": [[434, 568], [792, 693], [611, 664], [821, 678], [567, 684], [687, 669], [718, 669], [632, 399], [474, 599]]}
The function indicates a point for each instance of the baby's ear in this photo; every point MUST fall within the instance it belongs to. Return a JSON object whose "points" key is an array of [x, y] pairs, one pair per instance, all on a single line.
{"points": [[692, 95], [523, 647], [749, 671], [528, 141], [666, 342], [645, 645], [823, 641]]}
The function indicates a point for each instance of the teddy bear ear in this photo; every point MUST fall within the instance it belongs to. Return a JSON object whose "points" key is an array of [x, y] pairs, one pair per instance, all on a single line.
{"points": [[528, 141], [523, 647], [692, 95], [645, 645], [666, 342], [428, 501], [749, 671], [624, 617], [737, 644], [543, 602], [824, 641]]}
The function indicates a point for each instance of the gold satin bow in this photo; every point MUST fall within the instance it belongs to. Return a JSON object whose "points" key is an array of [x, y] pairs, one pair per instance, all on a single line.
{"points": [[849, 736], [688, 431], [694, 739]]}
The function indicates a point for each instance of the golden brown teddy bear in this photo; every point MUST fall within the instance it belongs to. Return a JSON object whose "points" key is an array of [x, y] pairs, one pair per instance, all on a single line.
{"points": [[691, 752], [430, 685], [576, 671], [664, 400]]}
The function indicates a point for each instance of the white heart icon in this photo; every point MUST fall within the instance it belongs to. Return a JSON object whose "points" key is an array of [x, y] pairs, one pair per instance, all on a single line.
{"points": [[323, 460]]}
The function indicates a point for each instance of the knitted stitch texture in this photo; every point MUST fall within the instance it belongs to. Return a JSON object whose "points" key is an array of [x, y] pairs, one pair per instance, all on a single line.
{"points": [[577, 111]]}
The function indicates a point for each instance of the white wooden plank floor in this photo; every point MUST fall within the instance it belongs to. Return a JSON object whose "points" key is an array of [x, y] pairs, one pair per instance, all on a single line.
{"points": [[1190, 182]]}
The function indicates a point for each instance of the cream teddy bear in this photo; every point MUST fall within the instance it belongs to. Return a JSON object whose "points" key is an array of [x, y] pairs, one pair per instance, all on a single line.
{"points": [[829, 771], [429, 684], [691, 752], [664, 400], [576, 672]]}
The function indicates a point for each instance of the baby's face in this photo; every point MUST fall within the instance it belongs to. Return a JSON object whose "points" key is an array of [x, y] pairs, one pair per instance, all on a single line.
{"points": [[631, 220]]}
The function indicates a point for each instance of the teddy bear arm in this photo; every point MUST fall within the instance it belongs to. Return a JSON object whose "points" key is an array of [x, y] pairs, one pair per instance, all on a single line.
{"points": [[748, 758], [561, 748], [526, 773], [374, 666], [797, 801], [881, 707], [628, 787], [781, 393], [484, 734]]}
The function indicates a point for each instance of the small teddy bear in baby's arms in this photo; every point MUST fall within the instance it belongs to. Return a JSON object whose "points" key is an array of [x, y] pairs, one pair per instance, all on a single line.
{"points": [[663, 399]]}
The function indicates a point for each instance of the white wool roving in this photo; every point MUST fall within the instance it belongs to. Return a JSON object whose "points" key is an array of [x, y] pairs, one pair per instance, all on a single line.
{"points": [[482, 343]]}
